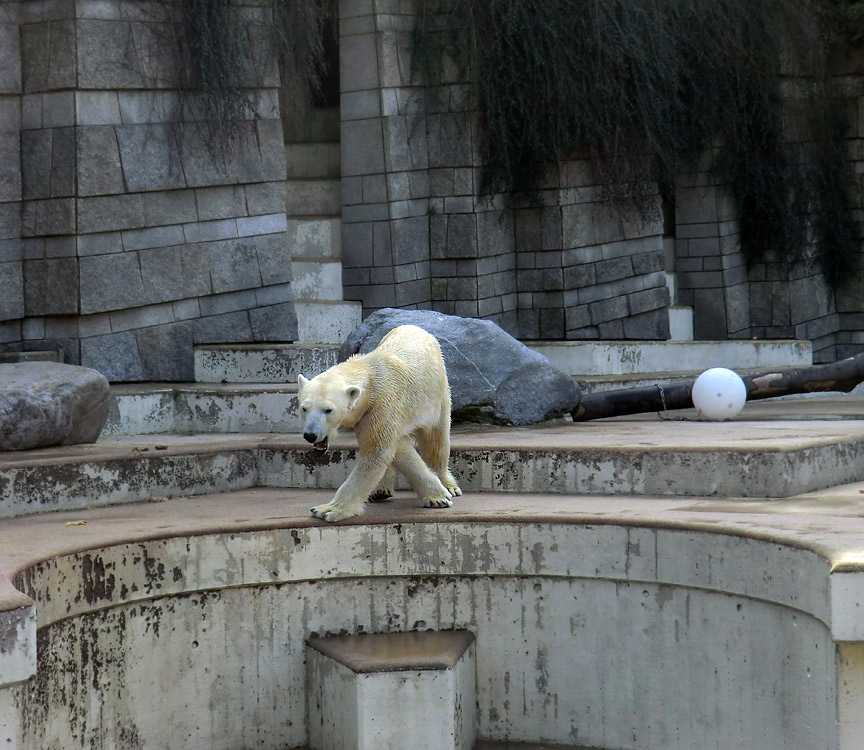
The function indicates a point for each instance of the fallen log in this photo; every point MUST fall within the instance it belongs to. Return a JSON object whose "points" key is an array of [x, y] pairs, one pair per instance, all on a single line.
{"points": [[843, 376]]}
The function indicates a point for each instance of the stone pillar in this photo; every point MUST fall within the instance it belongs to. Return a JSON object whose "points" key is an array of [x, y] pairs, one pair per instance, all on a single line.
{"points": [[140, 240], [385, 183], [416, 235], [712, 271], [11, 258]]}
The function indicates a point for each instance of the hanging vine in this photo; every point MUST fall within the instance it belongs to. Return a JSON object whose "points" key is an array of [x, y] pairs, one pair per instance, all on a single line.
{"points": [[645, 89]]}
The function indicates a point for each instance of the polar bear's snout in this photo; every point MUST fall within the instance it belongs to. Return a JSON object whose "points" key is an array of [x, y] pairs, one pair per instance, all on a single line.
{"points": [[316, 431]]}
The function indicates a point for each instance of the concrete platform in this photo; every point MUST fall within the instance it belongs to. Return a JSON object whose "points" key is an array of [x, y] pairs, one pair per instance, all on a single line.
{"points": [[221, 583], [715, 601], [772, 450]]}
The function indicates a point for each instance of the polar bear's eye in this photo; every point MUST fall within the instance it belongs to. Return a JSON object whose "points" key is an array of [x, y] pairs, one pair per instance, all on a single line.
{"points": [[328, 411], [303, 409]]}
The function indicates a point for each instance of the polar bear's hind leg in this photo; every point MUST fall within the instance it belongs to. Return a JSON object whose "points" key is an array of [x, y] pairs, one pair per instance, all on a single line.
{"points": [[386, 488], [434, 446]]}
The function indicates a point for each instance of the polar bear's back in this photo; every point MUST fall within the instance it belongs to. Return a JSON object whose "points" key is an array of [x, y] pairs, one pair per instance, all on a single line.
{"points": [[409, 376], [409, 340]]}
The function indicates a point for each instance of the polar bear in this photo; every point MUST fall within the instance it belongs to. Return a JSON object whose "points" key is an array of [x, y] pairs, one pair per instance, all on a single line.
{"points": [[397, 399]]}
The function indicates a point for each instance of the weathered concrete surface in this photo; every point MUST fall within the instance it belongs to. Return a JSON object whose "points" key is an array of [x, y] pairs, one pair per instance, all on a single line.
{"points": [[201, 409], [259, 363], [49, 403], [726, 617], [357, 685], [598, 358], [112, 472], [759, 454], [493, 377]]}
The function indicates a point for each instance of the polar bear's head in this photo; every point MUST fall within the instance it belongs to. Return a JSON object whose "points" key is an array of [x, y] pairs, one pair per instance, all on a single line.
{"points": [[325, 401]]}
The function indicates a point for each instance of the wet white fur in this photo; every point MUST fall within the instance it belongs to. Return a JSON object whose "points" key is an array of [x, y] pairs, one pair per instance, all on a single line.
{"points": [[397, 399]]}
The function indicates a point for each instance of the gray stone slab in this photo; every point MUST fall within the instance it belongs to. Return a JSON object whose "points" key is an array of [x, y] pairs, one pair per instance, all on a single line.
{"points": [[167, 352], [111, 282], [10, 57], [97, 108], [51, 286], [274, 260], [410, 239], [48, 217], [264, 198], [115, 355], [110, 212], [107, 56], [171, 273], [150, 157], [99, 170], [227, 201], [168, 207], [35, 172], [141, 239], [58, 109], [274, 323], [652, 325], [363, 148], [220, 329], [358, 62], [233, 265], [48, 56], [229, 302], [11, 290]]}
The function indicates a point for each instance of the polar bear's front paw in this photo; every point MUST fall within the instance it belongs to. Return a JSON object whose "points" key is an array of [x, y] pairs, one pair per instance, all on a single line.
{"points": [[450, 485], [332, 512], [437, 502]]}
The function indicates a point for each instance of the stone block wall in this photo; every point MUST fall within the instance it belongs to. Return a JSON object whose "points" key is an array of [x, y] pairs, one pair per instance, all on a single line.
{"points": [[135, 239], [416, 235], [11, 257]]}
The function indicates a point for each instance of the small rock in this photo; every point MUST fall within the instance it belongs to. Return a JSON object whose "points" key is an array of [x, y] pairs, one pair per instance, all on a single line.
{"points": [[493, 376], [48, 403]]}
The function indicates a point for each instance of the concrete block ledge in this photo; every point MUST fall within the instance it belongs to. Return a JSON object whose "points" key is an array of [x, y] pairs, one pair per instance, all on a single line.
{"points": [[599, 358], [358, 684], [711, 607]]}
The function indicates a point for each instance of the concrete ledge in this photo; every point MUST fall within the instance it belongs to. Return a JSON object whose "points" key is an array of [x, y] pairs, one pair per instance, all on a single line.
{"points": [[357, 686], [762, 457], [253, 363], [588, 358], [213, 583]]}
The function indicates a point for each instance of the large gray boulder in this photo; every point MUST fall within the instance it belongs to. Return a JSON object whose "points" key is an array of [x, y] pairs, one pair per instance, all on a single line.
{"points": [[48, 403], [493, 377]]}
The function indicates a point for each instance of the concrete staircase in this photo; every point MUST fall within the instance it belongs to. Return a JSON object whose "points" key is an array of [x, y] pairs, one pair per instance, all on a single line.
{"points": [[313, 205]]}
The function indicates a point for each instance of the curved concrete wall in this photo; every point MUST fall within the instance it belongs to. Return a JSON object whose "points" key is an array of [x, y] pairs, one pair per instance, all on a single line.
{"points": [[603, 636]]}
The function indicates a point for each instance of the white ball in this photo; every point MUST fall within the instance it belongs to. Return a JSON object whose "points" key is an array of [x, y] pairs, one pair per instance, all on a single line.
{"points": [[719, 393]]}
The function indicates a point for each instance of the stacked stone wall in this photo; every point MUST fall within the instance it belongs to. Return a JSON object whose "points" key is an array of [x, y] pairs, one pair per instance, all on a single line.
{"points": [[416, 234], [138, 238], [11, 257]]}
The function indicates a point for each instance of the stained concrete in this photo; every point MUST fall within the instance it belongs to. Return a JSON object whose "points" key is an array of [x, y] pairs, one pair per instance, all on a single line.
{"points": [[608, 621]]}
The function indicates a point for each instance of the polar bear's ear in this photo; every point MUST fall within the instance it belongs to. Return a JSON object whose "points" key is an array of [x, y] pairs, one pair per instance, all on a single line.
{"points": [[353, 392], [302, 381]]}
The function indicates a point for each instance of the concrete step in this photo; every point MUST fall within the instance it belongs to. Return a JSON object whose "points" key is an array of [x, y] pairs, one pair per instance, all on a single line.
{"points": [[605, 358], [316, 197], [315, 238], [358, 684], [317, 279], [326, 322], [260, 363], [785, 447]]}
